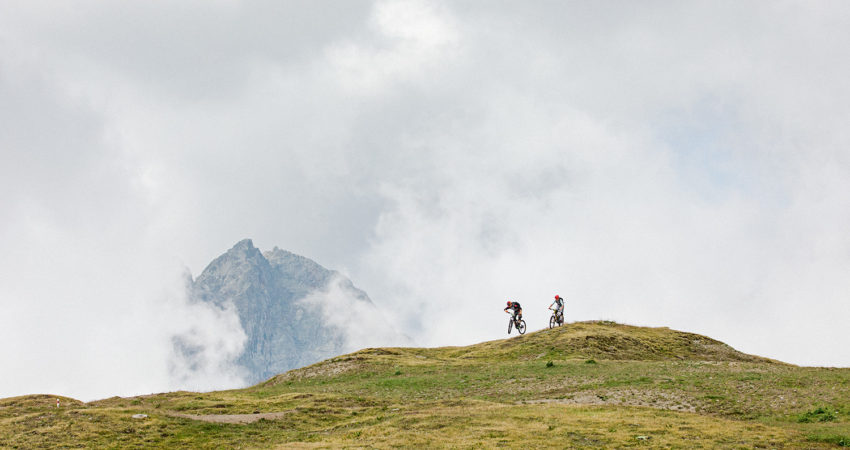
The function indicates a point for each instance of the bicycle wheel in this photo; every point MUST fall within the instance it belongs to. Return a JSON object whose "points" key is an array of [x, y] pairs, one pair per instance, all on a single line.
{"points": [[521, 327], [552, 322], [510, 324]]}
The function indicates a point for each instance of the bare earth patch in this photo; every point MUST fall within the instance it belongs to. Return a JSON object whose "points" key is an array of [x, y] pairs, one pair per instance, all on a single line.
{"points": [[628, 397], [230, 418]]}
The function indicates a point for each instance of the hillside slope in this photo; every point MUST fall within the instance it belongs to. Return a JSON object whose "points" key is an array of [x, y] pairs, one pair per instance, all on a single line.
{"points": [[603, 340], [592, 384]]}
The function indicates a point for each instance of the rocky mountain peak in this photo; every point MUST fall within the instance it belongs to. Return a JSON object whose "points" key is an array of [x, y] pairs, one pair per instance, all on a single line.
{"points": [[268, 291]]}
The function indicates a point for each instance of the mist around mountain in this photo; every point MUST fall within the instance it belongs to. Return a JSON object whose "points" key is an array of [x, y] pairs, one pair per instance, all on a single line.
{"points": [[293, 312]]}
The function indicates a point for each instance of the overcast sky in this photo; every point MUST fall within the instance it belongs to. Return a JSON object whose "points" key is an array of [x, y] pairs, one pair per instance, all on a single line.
{"points": [[681, 164]]}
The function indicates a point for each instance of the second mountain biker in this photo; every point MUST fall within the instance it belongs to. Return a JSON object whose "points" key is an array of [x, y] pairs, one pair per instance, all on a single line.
{"points": [[558, 307]]}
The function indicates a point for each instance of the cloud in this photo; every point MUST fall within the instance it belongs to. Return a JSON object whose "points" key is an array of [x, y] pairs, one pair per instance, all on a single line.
{"points": [[94, 332], [683, 166], [205, 347], [361, 324], [408, 39]]}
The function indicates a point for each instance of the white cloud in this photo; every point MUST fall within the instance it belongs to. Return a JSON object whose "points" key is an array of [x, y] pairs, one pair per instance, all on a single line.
{"points": [[205, 347], [677, 165], [410, 39], [361, 324]]}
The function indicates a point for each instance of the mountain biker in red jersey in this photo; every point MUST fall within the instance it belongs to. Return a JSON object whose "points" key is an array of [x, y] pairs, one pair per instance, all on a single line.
{"points": [[515, 309]]}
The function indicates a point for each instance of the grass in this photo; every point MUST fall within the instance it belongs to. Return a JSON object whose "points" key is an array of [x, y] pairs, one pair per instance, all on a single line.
{"points": [[820, 414], [596, 384]]}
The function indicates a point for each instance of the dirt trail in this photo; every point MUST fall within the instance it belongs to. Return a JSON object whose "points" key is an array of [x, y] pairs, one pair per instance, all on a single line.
{"points": [[230, 418]]}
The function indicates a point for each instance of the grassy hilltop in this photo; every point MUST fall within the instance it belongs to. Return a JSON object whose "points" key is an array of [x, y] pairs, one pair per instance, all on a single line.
{"points": [[588, 384]]}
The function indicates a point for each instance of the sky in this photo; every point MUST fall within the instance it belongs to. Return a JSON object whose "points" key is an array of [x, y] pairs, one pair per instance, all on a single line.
{"points": [[681, 164]]}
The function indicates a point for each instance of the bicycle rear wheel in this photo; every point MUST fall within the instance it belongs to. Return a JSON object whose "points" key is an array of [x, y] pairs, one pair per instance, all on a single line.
{"points": [[520, 326]]}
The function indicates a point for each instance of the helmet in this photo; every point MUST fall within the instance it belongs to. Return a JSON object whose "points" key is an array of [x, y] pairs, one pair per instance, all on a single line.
{"points": [[509, 303], [557, 297]]}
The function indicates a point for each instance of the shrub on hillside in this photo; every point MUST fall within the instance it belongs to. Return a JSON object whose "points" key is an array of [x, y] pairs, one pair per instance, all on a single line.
{"points": [[820, 414]]}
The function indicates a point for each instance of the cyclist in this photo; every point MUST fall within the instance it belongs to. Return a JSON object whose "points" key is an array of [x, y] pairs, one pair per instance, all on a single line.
{"points": [[515, 309], [558, 307]]}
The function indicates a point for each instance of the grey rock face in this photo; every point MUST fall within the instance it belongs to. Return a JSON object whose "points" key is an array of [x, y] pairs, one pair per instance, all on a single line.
{"points": [[283, 333]]}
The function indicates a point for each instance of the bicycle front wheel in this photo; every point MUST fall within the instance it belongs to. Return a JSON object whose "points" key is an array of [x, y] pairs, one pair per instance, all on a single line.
{"points": [[552, 322]]}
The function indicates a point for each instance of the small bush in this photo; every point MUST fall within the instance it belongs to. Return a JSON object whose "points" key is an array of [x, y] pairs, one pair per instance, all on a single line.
{"points": [[820, 414], [397, 372], [550, 364], [590, 361]]}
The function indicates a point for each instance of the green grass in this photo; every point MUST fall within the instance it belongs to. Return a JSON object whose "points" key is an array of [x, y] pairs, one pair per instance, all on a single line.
{"points": [[597, 384], [820, 414]]}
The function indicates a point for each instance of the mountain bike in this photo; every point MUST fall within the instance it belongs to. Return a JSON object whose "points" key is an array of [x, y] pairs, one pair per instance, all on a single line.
{"points": [[519, 324], [555, 319]]}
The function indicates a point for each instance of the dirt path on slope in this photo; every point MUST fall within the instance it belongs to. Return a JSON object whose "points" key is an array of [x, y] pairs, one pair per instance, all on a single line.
{"points": [[230, 418]]}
